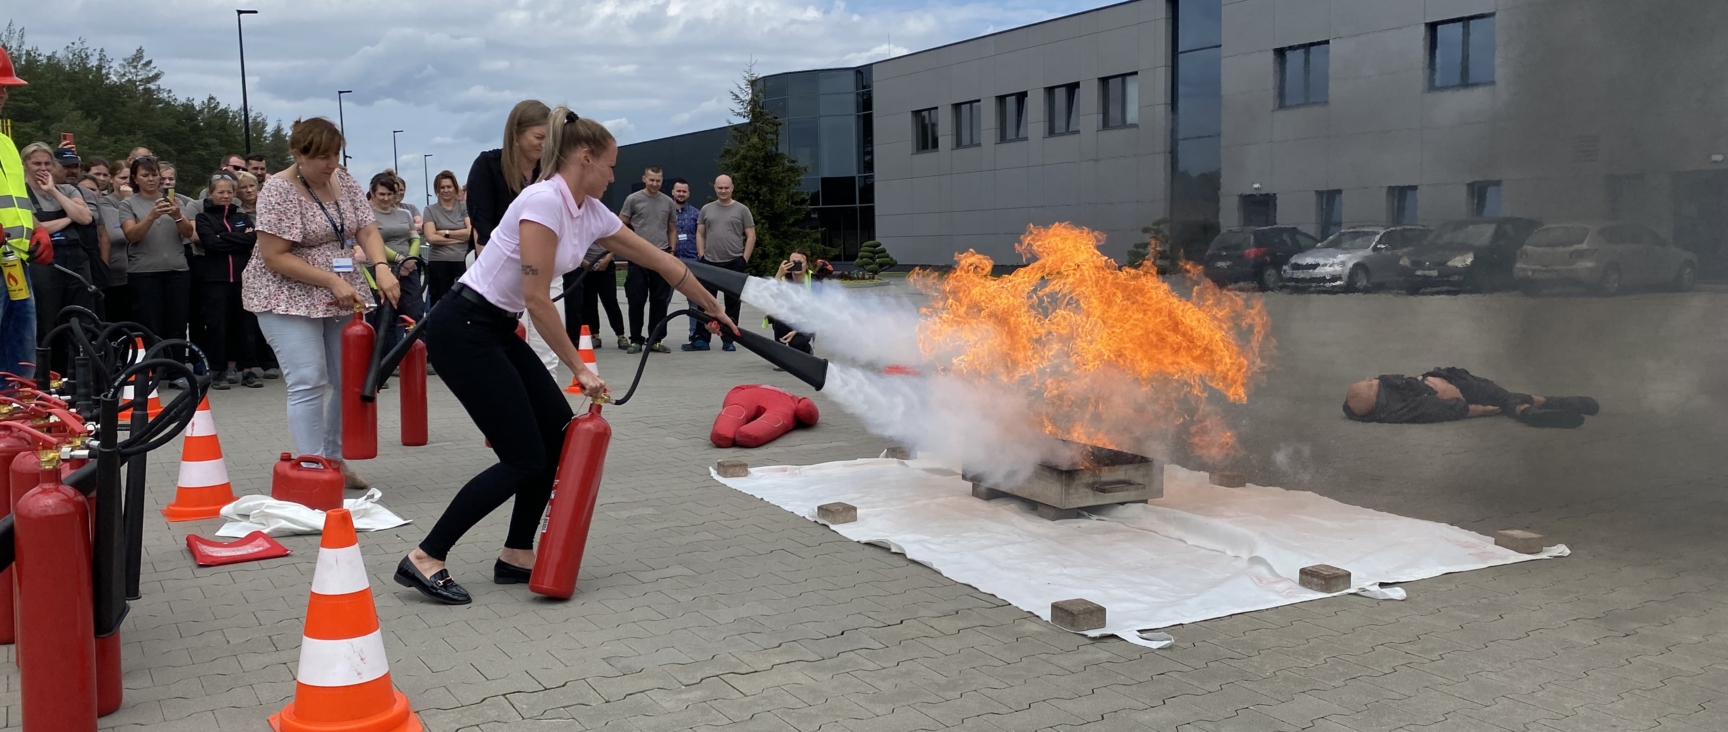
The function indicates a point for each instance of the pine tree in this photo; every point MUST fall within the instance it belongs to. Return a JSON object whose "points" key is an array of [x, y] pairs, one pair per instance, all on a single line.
{"points": [[766, 179]]}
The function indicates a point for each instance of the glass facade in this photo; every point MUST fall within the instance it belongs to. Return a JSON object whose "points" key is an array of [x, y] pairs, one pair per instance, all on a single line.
{"points": [[828, 129], [1195, 161]]}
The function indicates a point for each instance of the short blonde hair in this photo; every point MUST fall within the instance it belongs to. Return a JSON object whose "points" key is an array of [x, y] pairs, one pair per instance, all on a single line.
{"points": [[33, 148], [315, 137], [246, 177]]}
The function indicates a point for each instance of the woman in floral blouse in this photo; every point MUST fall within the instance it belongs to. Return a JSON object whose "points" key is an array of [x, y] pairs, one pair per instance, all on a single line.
{"points": [[303, 281]]}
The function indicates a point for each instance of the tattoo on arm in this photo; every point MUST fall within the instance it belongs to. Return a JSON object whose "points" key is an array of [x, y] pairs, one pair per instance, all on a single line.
{"points": [[530, 270]]}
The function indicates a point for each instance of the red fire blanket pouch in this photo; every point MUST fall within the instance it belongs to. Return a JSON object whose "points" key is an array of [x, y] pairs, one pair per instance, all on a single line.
{"points": [[251, 547], [754, 415]]}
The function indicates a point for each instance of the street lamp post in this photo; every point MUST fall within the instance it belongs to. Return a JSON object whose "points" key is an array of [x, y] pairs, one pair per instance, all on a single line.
{"points": [[342, 123], [425, 186], [395, 157], [245, 109]]}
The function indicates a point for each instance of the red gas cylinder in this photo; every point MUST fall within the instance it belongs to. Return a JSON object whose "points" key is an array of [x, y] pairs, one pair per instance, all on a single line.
{"points": [[312, 481], [414, 431], [359, 418], [564, 530], [15, 439], [57, 650]]}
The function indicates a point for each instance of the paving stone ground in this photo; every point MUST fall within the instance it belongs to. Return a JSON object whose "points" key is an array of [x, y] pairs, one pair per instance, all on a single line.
{"points": [[702, 607]]}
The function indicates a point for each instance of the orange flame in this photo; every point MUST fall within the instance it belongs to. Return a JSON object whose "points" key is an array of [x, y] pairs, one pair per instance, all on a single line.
{"points": [[1121, 359]]}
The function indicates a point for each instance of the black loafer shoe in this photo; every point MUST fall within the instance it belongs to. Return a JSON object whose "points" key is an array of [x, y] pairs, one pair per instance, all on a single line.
{"points": [[1582, 405], [439, 587], [505, 573], [1556, 418]]}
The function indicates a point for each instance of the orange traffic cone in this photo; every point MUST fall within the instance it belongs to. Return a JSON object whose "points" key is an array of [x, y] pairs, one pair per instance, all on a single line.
{"points": [[343, 682], [153, 405], [584, 347], [203, 488]]}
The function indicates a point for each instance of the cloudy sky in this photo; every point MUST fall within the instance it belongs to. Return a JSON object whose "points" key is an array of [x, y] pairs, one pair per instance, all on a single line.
{"points": [[447, 71]]}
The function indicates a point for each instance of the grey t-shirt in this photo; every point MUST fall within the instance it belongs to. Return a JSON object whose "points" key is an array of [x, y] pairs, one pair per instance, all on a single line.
{"points": [[161, 249], [650, 216], [723, 230], [111, 208], [397, 227], [40, 202], [452, 220]]}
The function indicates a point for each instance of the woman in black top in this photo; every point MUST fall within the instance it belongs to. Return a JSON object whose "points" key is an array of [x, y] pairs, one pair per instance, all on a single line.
{"points": [[225, 233], [497, 177]]}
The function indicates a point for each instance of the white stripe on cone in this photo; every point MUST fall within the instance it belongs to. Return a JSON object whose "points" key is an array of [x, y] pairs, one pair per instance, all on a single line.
{"points": [[334, 663], [203, 424], [203, 473], [340, 572]]}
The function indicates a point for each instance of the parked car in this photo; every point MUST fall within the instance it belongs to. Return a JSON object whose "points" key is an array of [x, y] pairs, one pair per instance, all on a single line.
{"points": [[1467, 254], [1603, 255], [1357, 259], [1255, 255]]}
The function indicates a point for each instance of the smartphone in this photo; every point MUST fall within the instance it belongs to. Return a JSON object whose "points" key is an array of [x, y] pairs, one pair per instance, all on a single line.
{"points": [[167, 194], [797, 266], [65, 138]]}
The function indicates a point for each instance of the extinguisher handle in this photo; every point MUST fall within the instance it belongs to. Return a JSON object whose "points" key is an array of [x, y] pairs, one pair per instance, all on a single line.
{"points": [[42, 440]]}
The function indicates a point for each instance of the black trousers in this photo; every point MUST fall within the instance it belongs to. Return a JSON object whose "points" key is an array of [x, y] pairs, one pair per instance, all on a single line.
{"points": [[160, 301], [1480, 391], [601, 289], [117, 303], [53, 290], [515, 403], [643, 286], [732, 304], [228, 329], [440, 277]]}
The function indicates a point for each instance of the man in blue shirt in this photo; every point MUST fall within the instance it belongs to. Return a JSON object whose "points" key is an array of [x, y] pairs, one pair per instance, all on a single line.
{"points": [[685, 247]]}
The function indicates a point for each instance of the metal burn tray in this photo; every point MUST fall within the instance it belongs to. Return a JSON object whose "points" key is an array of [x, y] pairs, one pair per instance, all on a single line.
{"points": [[1091, 476]]}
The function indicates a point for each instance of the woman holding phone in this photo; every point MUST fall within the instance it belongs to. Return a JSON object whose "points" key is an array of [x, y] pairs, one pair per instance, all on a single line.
{"points": [[304, 283], [156, 272], [471, 339]]}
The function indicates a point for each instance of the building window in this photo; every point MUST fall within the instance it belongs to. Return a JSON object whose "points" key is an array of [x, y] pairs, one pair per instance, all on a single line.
{"points": [[1303, 72], [1062, 105], [1119, 100], [1331, 211], [924, 131], [1011, 117], [1485, 198], [1259, 209], [1401, 206], [968, 128], [1461, 53]]}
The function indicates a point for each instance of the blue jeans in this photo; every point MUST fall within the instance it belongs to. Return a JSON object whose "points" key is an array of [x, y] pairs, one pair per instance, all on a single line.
{"points": [[18, 332], [693, 324], [310, 351]]}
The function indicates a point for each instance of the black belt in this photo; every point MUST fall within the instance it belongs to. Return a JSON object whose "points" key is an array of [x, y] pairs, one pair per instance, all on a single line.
{"points": [[472, 295]]}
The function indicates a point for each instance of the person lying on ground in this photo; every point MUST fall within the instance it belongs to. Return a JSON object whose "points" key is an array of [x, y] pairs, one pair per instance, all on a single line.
{"points": [[1448, 394]]}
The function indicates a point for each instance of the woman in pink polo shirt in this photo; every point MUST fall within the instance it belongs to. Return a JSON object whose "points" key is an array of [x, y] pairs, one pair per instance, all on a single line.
{"points": [[471, 340]]}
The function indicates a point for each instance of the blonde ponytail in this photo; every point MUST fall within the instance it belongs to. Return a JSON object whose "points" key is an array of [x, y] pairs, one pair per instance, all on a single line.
{"points": [[566, 132]]}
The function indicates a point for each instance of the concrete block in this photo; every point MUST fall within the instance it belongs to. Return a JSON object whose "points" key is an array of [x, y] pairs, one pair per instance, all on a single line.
{"points": [[1052, 513], [901, 453], [1228, 479], [1325, 578], [732, 468], [1077, 615], [986, 494], [837, 513], [1519, 540]]}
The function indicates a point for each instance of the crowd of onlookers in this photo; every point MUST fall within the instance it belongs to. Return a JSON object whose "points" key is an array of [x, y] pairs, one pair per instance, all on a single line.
{"points": [[129, 244]]}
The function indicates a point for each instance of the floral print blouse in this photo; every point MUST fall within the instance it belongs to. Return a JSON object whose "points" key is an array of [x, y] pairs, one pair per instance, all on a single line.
{"points": [[283, 210]]}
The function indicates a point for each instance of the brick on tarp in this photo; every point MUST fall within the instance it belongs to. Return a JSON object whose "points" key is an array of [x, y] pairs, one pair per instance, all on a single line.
{"points": [[732, 469], [1519, 540], [837, 513], [1077, 615], [1324, 578], [1228, 479]]}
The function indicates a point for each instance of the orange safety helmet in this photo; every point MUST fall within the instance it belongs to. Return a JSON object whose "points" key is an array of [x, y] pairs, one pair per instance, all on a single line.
{"points": [[8, 75]]}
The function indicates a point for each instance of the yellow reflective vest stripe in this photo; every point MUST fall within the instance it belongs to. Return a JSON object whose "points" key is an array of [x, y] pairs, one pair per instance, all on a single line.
{"points": [[15, 216]]}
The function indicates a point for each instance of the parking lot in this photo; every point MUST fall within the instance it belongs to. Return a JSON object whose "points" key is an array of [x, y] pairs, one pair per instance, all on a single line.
{"points": [[703, 607]]}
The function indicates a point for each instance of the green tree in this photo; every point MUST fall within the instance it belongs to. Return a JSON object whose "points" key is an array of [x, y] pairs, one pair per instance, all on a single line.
{"points": [[766, 179], [111, 107], [1157, 237]]}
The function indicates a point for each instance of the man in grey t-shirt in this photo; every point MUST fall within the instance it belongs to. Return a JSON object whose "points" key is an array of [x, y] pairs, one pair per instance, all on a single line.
{"points": [[725, 237], [654, 217]]}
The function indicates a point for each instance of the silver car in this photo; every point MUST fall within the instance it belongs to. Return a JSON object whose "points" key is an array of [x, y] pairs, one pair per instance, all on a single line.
{"points": [[1605, 256], [1357, 259]]}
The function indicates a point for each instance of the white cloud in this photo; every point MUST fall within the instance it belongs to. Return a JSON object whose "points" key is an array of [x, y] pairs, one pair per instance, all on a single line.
{"points": [[447, 71]]}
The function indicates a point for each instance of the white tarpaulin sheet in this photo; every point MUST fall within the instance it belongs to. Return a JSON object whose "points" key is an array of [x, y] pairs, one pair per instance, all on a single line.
{"points": [[286, 518], [1199, 552]]}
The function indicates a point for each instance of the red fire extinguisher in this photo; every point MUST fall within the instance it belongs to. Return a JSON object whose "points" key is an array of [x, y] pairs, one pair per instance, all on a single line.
{"points": [[359, 418], [564, 530], [15, 439], [414, 395], [57, 648]]}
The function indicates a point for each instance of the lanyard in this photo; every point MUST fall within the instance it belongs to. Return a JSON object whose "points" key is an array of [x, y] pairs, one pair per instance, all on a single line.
{"points": [[340, 229]]}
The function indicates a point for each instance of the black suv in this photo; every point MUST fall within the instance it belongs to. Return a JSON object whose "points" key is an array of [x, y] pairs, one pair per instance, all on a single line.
{"points": [[1467, 254], [1256, 254]]}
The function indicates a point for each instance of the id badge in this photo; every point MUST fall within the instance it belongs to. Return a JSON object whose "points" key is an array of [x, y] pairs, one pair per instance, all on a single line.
{"points": [[342, 265], [683, 237]]}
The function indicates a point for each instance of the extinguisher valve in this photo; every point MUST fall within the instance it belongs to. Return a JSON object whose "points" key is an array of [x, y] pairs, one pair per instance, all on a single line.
{"points": [[50, 459]]}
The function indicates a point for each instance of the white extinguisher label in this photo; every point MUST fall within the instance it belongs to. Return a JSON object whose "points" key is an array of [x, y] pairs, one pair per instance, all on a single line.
{"points": [[546, 518]]}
